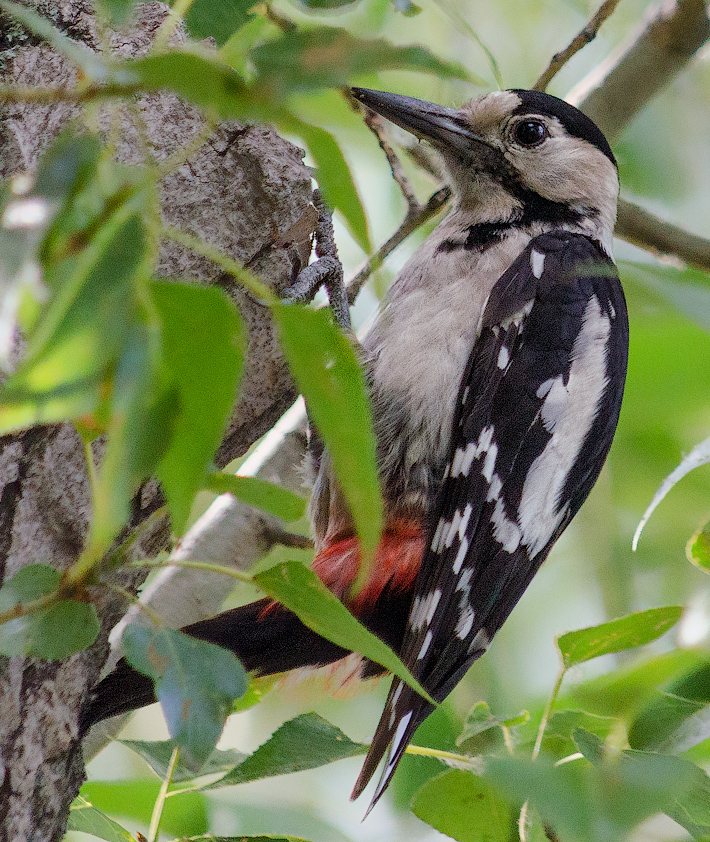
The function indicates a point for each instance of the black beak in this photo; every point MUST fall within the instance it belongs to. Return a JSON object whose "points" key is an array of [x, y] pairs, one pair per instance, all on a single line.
{"points": [[443, 127]]}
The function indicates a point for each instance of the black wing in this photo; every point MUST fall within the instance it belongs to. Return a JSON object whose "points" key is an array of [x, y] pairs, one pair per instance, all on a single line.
{"points": [[536, 415]]}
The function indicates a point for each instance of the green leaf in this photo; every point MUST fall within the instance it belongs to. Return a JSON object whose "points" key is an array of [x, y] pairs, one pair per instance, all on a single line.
{"points": [[218, 20], [333, 176], [625, 633], [299, 589], [183, 816], [687, 799], [86, 324], [329, 57], [195, 683], [482, 732], [558, 740], [464, 807], [52, 633], [597, 803], [317, 5], [159, 754], [259, 493], [698, 548], [677, 716], [85, 818], [203, 346], [200, 77], [327, 372], [306, 742]]}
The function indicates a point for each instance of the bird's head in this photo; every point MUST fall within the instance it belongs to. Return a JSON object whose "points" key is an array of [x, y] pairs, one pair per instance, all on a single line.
{"points": [[515, 154]]}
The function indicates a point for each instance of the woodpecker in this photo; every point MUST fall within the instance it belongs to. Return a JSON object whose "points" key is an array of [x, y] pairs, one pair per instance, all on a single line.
{"points": [[496, 369]]}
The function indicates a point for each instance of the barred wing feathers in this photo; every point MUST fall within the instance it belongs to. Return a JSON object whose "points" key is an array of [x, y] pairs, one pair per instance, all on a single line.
{"points": [[537, 409]]}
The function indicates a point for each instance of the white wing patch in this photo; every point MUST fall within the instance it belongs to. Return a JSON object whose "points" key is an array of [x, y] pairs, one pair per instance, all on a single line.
{"points": [[568, 413], [537, 263]]}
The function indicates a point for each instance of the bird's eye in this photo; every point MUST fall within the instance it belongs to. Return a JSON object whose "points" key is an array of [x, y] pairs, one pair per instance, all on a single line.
{"points": [[530, 133]]}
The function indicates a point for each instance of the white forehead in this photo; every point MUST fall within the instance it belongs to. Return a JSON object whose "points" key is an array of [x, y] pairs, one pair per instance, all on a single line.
{"points": [[491, 109]]}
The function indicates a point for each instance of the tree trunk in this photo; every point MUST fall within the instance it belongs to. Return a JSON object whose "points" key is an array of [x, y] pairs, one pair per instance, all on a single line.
{"points": [[244, 191]]}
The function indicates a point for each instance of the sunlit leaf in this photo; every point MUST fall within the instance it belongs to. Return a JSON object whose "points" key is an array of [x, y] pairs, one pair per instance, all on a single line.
{"points": [[299, 589], [218, 20], [203, 344], [698, 548], [326, 370], [158, 756], [86, 818], [328, 57], [200, 77], [625, 633], [699, 455], [257, 492], [83, 328], [306, 742], [195, 683], [465, 807], [482, 731], [333, 176], [52, 633]]}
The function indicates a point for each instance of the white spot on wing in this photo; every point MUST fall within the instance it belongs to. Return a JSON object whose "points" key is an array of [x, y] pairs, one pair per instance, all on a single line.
{"points": [[465, 623], [393, 703], [538, 513], [503, 357], [537, 263], [425, 646], [460, 556]]}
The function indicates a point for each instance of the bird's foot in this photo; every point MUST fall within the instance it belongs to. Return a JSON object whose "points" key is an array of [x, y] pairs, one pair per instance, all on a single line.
{"points": [[326, 271]]}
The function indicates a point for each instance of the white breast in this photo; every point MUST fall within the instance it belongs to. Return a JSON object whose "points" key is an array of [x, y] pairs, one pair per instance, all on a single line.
{"points": [[421, 341]]}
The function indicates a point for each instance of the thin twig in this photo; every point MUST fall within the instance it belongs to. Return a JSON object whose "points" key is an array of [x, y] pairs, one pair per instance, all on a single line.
{"points": [[162, 795], [411, 223], [374, 124], [584, 37]]}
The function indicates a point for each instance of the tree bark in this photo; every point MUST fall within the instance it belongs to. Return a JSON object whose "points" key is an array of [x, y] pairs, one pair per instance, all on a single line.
{"points": [[244, 190]]}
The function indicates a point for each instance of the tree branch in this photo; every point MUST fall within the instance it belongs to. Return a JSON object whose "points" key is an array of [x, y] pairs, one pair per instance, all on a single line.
{"points": [[619, 88], [583, 37]]}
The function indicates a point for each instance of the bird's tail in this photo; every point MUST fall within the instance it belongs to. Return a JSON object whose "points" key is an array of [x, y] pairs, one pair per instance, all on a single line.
{"points": [[265, 636]]}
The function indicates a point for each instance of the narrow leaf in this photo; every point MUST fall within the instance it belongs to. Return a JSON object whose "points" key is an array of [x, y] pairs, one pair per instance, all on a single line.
{"points": [[327, 372], [207, 19], [624, 633], [195, 683], [698, 548], [86, 818], [333, 176], [203, 345], [329, 57], [200, 77], [259, 493], [465, 807], [306, 742], [300, 590], [158, 754], [699, 455]]}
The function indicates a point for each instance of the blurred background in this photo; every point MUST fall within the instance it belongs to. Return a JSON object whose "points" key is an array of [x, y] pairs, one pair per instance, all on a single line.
{"points": [[592, 574]]}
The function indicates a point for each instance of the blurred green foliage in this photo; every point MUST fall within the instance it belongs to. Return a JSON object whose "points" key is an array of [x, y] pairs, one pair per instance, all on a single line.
{"points": [[108, 350]]}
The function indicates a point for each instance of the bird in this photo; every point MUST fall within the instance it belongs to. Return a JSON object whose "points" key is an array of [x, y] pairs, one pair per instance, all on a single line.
{"points": [[496, 369]]}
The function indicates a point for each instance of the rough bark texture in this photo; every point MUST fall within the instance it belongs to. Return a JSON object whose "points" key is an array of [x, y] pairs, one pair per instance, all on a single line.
{"points": [[244, 190]]}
